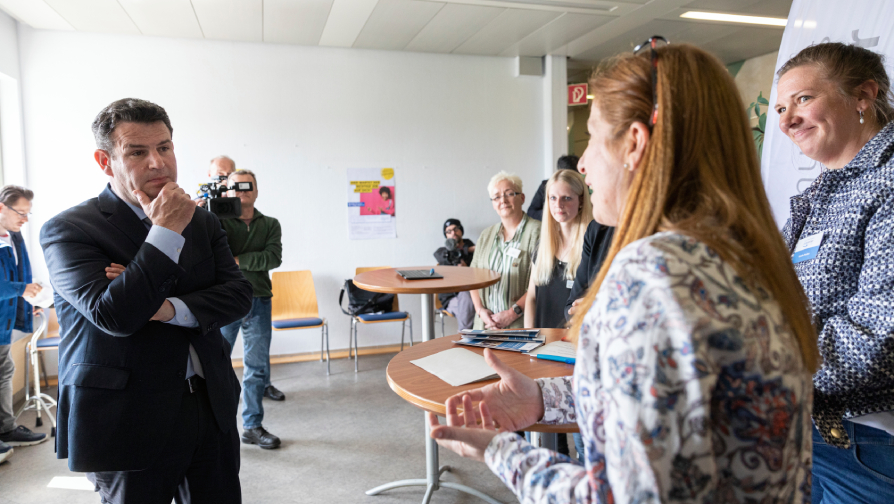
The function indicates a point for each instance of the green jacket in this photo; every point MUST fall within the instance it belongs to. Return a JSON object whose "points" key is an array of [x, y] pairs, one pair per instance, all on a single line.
{"points": [[258, 247]]}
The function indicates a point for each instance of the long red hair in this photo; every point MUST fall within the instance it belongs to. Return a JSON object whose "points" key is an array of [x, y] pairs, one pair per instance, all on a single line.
{"points": [[699, 176]]}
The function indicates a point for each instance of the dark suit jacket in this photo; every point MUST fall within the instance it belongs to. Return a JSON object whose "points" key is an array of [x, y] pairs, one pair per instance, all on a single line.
{"points": [[538, 202], [121, 377], [597, 241]]}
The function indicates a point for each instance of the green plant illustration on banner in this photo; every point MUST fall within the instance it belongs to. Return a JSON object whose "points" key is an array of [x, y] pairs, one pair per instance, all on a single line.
{"points": [[758, 131]]}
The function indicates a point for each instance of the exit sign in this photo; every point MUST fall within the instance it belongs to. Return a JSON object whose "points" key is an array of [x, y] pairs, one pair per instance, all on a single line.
{"points": [[577, 94]]}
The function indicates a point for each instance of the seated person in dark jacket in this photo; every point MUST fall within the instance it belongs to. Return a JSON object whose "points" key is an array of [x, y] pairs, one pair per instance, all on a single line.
{"points": [[459, 304], [597, 241], [535, 209]]}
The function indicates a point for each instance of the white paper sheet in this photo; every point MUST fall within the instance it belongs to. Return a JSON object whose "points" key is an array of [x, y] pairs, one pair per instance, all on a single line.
{"points": [[457, 366]]}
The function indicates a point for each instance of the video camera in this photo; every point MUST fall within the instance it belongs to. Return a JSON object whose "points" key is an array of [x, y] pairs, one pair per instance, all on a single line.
{"points": [[454, 255], [216, 200]]}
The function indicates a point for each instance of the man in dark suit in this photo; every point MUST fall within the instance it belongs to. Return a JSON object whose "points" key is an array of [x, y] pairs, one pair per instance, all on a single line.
{"points": [[143, 282]]}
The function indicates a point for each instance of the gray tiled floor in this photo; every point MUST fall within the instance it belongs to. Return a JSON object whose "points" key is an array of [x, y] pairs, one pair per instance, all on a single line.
{"points": [[342, 435]]}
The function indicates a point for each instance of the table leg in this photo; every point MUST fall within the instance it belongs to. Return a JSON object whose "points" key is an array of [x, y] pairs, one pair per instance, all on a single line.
{"points": [[433, 473], [548, 440]]}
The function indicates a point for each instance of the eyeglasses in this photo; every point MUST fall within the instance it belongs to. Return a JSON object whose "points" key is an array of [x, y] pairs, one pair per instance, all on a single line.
{"points": [[20, 214], [507, 194], [652, 41]]}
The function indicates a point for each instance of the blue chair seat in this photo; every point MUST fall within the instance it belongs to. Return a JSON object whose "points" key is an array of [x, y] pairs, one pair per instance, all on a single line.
{"points": [[49, 342], [376, 317], [297, 322]]}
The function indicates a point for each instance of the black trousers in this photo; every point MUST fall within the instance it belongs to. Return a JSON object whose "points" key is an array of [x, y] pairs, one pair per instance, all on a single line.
{"points": [[199, 464]]}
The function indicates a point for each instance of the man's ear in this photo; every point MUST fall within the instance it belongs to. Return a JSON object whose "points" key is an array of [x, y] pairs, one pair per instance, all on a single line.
{"points": [[104, 160], [635, 142]]}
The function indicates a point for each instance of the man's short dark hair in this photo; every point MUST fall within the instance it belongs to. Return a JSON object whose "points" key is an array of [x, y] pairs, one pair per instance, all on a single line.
{"points": [[567, 162], [11, 194], [126, 110]]}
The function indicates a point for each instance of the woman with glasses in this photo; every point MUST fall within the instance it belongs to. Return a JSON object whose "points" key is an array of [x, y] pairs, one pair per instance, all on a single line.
{"points": [[506, 248], [834, 103], [695, 348]]}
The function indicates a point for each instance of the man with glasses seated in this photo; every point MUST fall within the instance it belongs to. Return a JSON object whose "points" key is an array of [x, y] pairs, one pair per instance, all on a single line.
{"points": [[15, 312]]}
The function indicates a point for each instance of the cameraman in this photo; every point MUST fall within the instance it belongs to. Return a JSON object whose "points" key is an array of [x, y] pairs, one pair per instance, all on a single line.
{"points": [[221, 166], [256, 242], [459, 304]]}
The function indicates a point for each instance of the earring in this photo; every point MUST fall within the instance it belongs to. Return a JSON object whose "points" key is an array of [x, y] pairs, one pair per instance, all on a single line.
{"points": [[861, 117], [626, 166]]}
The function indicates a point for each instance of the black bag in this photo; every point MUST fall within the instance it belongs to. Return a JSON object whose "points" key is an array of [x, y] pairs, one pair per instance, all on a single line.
{"points": [[363, 301]]}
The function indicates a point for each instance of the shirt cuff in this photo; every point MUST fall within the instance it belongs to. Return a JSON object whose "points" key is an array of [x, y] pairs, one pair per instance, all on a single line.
{"points": [[167, 241], [183, 316]]}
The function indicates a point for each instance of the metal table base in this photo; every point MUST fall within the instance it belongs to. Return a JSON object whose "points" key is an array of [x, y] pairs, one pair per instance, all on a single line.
{"points": [[432, 482]]}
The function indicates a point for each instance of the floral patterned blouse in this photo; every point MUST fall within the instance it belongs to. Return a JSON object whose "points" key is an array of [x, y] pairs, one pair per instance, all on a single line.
{"points": [[688, 387]]}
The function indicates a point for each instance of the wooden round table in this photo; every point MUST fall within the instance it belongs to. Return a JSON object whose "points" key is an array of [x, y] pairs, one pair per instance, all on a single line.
{"points": [[456, 279], [425, 390]]}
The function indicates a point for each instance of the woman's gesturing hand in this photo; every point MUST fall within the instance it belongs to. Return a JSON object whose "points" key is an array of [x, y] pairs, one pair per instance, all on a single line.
{"points": [[511, 404], [463, 434]]}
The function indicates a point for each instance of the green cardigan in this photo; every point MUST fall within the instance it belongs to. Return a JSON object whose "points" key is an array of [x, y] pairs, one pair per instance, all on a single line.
{"points": [[520, 272], [258, 247]]}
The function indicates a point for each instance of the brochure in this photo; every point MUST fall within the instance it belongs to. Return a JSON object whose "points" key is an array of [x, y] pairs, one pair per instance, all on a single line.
{"points": [[514, 346]]}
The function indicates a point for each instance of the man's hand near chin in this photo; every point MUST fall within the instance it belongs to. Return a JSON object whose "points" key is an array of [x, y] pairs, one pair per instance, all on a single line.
{"points": [[165, 313]]}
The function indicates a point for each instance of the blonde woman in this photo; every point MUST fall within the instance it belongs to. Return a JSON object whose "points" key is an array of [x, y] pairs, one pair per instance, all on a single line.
{"points": [[506, 248], [561, 247], [695, 354]]}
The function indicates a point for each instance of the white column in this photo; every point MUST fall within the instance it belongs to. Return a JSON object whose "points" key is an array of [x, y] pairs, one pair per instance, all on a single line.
{"points": [[555, 111]]}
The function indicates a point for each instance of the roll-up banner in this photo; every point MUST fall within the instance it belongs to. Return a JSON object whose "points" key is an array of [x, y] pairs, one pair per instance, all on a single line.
{"points": [[866, 23]]}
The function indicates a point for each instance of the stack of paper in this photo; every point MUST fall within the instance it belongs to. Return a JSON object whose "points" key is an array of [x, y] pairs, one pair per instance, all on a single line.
{"points": [[561, 349], [520, 340]]}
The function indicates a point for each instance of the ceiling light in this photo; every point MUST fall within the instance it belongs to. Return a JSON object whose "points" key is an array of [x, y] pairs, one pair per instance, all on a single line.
{"points": [[734, 18]]}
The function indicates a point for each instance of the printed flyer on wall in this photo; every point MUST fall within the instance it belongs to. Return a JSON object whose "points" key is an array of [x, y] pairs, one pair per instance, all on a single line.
{"points": [[371, 201]]}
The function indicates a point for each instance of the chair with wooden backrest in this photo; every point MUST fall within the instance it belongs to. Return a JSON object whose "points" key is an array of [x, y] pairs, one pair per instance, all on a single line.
{"points": [[294, 306], [395, 315], [441, 313]]}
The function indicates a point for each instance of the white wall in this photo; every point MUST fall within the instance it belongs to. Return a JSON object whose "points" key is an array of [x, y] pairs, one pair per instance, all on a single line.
{"points": [[298, 116], [9, 53]]}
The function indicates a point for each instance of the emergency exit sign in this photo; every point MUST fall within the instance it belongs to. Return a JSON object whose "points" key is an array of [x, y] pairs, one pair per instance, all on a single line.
{"points": [[577, 94]]}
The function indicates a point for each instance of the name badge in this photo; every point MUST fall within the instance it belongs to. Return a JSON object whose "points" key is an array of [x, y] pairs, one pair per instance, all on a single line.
{"points": [[513, 253], [807, 247], [569, 284]]}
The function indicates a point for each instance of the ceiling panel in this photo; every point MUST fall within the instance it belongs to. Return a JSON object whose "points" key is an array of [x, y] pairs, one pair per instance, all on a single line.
{"points": [[163, 18], [238, 20], [556, 34], [709, 36], [452, 26], [745, 42], [394, 23], [36, 14], [505, 30], [104, 16], [295, 22], [346, 19], [775, 8]]}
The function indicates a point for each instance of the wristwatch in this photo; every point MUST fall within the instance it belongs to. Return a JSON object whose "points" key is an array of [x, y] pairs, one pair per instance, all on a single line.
{"points": [[517, 309]]}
